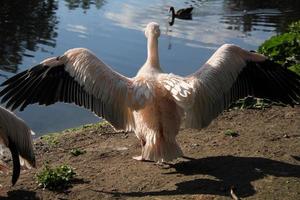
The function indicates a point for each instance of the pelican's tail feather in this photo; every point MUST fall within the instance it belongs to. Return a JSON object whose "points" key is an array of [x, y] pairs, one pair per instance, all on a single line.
{"points": [[159, 149]]}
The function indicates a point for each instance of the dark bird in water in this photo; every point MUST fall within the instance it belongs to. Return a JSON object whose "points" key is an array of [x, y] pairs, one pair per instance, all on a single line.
{"points": [[184, 13]]}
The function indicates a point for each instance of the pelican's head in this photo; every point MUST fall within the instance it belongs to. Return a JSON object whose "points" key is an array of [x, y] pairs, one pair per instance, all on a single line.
{"points": [[152, 29]]}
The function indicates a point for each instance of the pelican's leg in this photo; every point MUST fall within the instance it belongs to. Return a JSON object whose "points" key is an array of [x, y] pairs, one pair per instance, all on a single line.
{"points": [[140, 158], [164, 165]]}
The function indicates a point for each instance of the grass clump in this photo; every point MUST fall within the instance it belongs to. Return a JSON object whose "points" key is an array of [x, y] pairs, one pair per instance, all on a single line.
{"points": [[102, 124], [77, 152], [55, 178], [231, 133], [254, 103], [251, 103], [51, 139]]}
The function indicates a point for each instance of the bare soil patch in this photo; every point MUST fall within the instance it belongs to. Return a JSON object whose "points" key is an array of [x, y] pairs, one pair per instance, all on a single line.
{"points": [[262, 162]]}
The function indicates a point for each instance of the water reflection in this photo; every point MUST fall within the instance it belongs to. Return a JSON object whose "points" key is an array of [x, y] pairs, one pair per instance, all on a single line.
{"points": [[25, 25], [213, 21], [260, 15], [22, 27], [84, 4]]}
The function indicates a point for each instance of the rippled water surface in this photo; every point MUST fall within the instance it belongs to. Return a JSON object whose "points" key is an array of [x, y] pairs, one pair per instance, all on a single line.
{"points": [[113, 30]]}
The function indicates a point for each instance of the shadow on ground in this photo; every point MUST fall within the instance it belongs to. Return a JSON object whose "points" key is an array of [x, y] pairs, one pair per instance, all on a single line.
{"points": [[227, 171], [20, 194], [31, 195]]}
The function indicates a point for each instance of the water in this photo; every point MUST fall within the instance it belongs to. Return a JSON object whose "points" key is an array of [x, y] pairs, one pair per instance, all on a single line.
{"points": [[113, 30]]}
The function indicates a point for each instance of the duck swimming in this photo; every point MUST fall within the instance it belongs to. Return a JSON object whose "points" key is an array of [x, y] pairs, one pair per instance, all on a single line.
{"points": [[184, 13]]}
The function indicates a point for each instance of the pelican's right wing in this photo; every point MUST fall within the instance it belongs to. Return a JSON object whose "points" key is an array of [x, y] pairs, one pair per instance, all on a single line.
{"points": [[78, 77], [233, 73], [230, 74]]}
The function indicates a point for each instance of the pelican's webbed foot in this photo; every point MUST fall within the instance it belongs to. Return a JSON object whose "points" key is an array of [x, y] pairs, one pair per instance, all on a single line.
{"points": [[139, 158]]}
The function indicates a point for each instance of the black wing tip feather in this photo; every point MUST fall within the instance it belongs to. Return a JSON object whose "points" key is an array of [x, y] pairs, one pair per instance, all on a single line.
{"points": [[16, 162], [14, 86], [33, 162], [268, 63], [10, 80], [19, 75], [35, 68], [285, 82]]}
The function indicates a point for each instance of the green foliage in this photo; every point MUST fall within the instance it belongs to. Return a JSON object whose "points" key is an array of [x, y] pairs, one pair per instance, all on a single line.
{"points": [[102, 124], [284, 48], [51, 139], [294, 27], [77, 152], [231, 133], [252, 103], [295, 68], [55, 178]]}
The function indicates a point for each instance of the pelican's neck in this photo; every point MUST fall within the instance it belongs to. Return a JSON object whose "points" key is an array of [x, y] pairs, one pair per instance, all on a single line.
{"points": [[152, 47]]}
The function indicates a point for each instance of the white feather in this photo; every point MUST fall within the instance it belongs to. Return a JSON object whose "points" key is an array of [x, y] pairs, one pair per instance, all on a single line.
{"points": [[14, 129], [112, 88], [212, 81]]}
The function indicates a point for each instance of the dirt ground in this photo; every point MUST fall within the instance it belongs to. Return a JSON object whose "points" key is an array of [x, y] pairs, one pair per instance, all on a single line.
{"points": [[262, 162]]}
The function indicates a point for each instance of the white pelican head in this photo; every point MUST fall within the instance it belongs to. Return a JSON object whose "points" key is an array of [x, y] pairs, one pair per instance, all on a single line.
{"points": [[152, 29]]}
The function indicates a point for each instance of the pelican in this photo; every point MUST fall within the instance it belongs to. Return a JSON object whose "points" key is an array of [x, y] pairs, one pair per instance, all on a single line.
{"points": [[16, 135], [153, 103]]}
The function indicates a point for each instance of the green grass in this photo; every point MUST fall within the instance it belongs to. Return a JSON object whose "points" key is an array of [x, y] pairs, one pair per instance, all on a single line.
{"points": [[77, 152], [55, 178], [231, 133], [51, 138], [102, 124], [254, 103]]}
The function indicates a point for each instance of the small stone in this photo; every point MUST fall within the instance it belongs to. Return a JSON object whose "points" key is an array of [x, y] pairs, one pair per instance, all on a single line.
{"points": [[121, 148]]}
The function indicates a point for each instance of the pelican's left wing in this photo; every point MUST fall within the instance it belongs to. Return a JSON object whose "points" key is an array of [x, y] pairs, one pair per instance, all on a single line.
{"points": [[79, 77], [230, 74]]}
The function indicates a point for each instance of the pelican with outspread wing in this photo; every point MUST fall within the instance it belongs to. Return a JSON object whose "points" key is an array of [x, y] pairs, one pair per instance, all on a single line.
{"points": [[153, 103], [16, 135]]}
